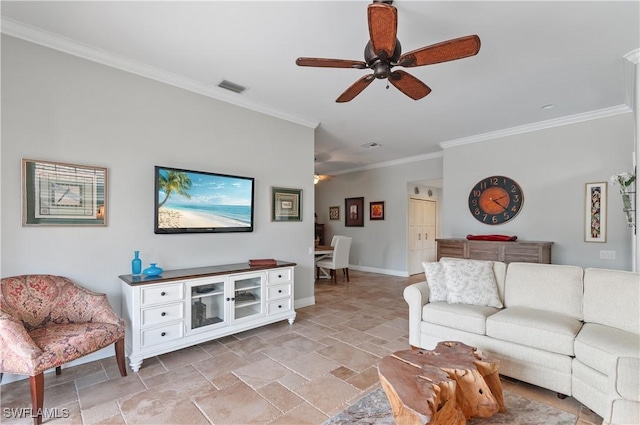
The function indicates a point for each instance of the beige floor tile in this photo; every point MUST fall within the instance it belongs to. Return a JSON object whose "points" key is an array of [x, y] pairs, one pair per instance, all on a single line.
{"points": [[187, 379], [326, 393], [343, 373], [305, 414], [315, 331], [158, 406], [248, 345], [281, 397], [225, 380], [219, 365], [292, 381], [106, 391], [91, 379], [185, 356], [366, 379], [259, 374], [311, 365], [388, 333], [349, 356], [60, 394], [230, 406], [101, 412], [352, 336]]}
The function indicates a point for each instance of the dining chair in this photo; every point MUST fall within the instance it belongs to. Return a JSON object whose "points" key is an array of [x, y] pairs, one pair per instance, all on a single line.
{"points": [[339, 259], [46, 321]]}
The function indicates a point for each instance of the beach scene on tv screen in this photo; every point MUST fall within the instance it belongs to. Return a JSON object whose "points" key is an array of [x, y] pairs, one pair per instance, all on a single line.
{"points": [[198, 200]]}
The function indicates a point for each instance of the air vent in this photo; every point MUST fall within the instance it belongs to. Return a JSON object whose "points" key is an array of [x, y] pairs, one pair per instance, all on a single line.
{"points": [[236, 88], [371, 145]]}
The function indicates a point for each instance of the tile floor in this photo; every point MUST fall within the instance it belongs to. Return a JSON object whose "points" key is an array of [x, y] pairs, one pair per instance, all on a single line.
{"points": [[277, 374]]}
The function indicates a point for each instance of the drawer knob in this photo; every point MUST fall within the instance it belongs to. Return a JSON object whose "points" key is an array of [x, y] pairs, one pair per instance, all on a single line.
{"points": [[163, 293], [279, 291], [279, 276], [228, 299], [163, 314], [279, 306], [163, 334]]}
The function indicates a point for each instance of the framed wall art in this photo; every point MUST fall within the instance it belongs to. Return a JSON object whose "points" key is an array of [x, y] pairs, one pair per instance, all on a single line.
{"points": [[595, 223], [334, 213], [286, 204], [60, 194], [376, 210], [354, 211]]}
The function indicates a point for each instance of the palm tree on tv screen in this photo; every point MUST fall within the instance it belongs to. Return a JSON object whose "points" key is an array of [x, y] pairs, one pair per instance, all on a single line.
{"points": [[174, 181]]}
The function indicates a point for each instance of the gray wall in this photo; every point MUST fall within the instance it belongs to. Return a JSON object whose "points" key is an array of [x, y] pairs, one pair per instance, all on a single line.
{"points": [[59, 107], [379, 246], [552, 166]]}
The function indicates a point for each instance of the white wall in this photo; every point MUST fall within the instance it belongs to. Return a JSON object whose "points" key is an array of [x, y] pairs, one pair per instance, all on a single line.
{"points": [[381, 245], [552, 166], [59, 107]]}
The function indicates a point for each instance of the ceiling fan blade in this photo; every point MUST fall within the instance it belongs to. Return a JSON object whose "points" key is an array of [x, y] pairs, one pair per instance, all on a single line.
{"points": [[457, 48], [409, 85], [330, 63], [383, 26], [355, 89]]}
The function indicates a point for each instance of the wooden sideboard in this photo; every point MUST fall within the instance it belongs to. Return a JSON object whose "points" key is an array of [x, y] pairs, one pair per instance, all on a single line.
{"points": [[509, 252]]}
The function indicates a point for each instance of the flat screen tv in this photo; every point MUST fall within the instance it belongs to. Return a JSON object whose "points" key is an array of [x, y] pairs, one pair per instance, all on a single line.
{"points": [[188, 201]]}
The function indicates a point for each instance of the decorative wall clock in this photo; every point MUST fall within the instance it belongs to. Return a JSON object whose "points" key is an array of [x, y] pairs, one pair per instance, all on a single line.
{"points": [[495, 200]]}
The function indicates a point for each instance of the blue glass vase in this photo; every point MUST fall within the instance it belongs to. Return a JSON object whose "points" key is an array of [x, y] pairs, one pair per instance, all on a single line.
{"points": [[152, 270], [136, 264]]}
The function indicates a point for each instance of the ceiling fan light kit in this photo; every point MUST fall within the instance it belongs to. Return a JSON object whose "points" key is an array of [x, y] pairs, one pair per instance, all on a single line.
{"points": [[383, 52]]}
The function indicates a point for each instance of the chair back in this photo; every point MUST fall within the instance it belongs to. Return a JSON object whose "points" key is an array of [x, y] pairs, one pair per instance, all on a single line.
{"points": [[341, 252], [335, 238]]}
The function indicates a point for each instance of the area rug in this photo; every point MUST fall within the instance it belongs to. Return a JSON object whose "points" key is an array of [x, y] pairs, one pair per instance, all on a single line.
{"points": [[374, 409]]}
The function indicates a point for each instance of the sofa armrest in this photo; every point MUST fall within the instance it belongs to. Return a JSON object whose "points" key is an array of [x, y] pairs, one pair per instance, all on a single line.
{"points": [[416, 296], [627, 378]]}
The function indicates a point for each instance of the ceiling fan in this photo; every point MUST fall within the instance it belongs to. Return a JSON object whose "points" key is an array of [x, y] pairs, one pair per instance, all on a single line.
{"points": [[383, 52]]}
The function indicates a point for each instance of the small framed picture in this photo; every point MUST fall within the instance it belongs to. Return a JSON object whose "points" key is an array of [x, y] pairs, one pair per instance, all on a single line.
{"points": [[376, 210], [334, 213], [354, 212], [60, 194], [286, 204], [595, 209]]}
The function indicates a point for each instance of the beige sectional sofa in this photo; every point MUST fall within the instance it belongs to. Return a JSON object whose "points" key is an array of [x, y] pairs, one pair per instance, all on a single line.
{"points": [[572, 330]]}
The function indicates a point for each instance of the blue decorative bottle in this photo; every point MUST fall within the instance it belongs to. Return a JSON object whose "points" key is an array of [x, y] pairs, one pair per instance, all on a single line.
{"points": [[136, 264]]}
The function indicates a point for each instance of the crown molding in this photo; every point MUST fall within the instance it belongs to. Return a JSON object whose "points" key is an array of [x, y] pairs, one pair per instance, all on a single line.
{"points": [[631, 73], [407, 160], [38, 36], [542, 125]]}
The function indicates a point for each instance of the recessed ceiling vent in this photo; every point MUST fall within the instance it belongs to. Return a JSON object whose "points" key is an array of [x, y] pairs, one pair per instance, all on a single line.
{"points": [[236, 88], [371, 145]]}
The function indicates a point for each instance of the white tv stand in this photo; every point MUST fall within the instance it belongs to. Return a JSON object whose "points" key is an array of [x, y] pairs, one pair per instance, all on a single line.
{"points": [[185, 307]]}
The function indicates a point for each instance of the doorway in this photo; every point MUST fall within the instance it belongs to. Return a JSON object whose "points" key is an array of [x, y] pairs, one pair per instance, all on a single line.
{"points": [[422, 233]]}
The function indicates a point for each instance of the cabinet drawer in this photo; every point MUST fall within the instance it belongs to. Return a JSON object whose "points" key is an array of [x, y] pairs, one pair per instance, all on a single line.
{"points": [[162, 334], [161, 294], [278, 291], [162, 314], [279, 306], [279, 276]]}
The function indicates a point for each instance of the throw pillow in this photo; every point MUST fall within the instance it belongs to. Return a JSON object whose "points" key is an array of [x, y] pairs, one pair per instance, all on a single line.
{"points": [[471, 282], [436, 281]]}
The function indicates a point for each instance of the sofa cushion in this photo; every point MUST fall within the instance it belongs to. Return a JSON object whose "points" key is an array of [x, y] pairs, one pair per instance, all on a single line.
{"points": [[471, 282], [535, 328], [434, 274], [612, 298], [469, 318], [599, 346], [549, 287]]}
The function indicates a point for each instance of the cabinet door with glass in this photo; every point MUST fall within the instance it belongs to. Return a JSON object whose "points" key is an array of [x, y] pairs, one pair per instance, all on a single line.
{"points": [[207, 306], [247, 296]]}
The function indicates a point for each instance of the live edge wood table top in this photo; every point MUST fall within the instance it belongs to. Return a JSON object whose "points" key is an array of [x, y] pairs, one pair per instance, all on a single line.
{"points": [[170, 275], [447, 385]]}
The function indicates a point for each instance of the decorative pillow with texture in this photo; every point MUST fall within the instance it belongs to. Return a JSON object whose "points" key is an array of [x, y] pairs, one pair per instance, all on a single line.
{"points": [[471, 282], [434, 272]]}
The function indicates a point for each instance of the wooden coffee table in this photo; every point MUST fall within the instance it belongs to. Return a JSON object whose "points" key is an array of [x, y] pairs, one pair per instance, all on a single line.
{"points": [[447, 385]]}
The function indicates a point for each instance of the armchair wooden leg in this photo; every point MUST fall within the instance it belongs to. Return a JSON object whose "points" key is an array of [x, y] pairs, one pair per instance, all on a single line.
{"points": [[346, 270], [58, 370], [37, 396], [120, 358]]}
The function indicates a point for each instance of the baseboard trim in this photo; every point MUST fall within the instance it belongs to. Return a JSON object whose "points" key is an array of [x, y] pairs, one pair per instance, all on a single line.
{"points": [[400, 273], [304, 302]]}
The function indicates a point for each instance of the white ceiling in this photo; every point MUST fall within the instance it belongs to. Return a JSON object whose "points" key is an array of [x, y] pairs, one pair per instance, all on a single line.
{"points": [[569, 54]]}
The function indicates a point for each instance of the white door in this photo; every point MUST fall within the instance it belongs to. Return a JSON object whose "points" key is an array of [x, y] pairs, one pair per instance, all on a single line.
{"points": [[422, 233]]}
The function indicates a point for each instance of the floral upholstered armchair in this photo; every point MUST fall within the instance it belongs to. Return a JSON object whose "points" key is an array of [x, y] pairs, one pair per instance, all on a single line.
{"points": [[46, 321]]}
